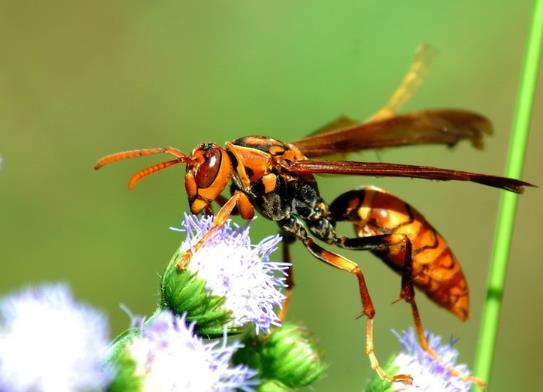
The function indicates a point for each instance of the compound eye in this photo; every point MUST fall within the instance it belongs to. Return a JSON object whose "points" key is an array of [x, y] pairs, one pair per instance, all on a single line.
{"points": [[207, 171]]}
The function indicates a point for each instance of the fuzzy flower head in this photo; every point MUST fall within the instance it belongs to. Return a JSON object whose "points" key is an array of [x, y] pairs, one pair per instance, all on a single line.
{"points": [[239, 273], [428, 374], [49, 342], [166, 355]]}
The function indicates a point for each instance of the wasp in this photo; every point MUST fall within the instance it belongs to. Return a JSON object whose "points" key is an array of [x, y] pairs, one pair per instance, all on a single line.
{"points": [[278, 180]]}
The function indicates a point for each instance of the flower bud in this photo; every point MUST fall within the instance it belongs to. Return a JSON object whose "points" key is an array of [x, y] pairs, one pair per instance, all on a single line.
{"points": [[182, 291], [428, 374], [163, 354], [228, 282], [51, 342], [288, 356], [273, 386]]}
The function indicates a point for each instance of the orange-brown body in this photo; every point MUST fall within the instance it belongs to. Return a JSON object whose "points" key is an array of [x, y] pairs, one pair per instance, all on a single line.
{"points": [[436, 270], [277, 179]]}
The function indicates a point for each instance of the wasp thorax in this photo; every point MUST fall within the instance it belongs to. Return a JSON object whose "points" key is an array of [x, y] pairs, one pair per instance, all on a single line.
{"points": [[207, 176]]}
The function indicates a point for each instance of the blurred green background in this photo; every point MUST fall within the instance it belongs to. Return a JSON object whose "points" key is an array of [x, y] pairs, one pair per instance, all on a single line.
{"points": [[79, 80]]}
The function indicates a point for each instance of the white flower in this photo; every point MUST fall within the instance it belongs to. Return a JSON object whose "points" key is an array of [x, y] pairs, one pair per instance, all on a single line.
{"points": [[49, 342], [169, 357], [238, 271], [428, 374]]}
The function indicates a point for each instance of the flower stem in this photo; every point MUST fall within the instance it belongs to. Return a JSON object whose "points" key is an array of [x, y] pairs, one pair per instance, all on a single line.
{"points": [[508, 202]]}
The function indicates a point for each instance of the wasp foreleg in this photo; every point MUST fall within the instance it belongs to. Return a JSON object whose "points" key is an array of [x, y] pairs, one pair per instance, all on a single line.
{"points": [[219, 220], [243, 206]]}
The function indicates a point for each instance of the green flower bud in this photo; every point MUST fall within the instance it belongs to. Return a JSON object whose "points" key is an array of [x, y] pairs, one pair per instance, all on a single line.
{"points": [[287, 355], [428, 374], [162, 353], [273, 386], [124, 365], [183, 292], [227, 283]]}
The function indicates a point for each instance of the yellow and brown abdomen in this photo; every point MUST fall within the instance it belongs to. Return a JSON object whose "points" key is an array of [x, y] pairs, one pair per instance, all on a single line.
{"points": [[436, 271]]}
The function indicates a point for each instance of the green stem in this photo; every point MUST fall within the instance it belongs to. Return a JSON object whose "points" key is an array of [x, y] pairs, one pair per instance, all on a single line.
{"points": [[508, 202]]}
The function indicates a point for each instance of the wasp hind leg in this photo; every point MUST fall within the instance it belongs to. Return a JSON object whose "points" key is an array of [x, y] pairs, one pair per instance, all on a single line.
{"points": [[408, 294], [295, 227], [384, 243]]}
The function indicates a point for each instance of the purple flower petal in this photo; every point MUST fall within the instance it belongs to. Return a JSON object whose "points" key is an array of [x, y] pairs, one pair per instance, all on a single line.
{"points": [[169, 357], [238, 271], [428, 374]]}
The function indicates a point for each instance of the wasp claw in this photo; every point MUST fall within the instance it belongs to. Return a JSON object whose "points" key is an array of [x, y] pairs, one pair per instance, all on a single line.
{"points": [[183, 261], [477, 381], [405, 378]]}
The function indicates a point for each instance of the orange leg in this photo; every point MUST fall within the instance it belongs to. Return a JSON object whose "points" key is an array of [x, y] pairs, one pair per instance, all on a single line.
{"points": [[296, 228], [368, 309], [220, 219], [290, 277], [243, 206], [407, 293], [426, 347]]}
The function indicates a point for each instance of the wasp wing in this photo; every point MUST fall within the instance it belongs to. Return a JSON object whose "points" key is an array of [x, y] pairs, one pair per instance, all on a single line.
{"points": [[412, 80], [378, 169], [341, 122], [440, 126]]}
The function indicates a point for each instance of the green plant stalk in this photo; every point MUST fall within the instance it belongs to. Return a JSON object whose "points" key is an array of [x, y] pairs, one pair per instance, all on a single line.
{"points": [[508, 202]]}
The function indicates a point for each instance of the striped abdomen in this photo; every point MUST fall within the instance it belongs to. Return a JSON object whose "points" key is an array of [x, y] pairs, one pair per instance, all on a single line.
{"points": [[436, 271]]}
